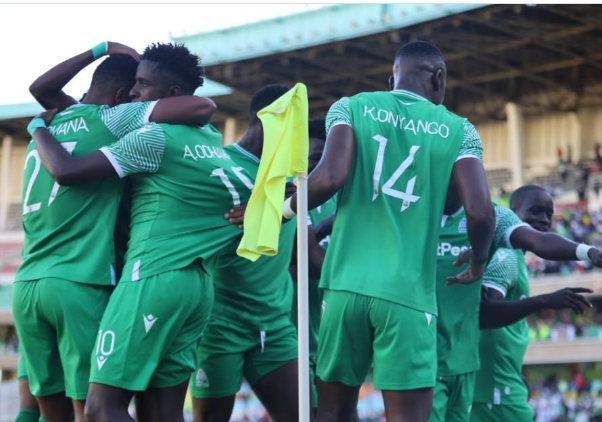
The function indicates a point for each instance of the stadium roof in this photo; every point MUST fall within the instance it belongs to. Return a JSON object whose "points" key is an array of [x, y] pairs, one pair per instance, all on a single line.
{"points": [[546, 57]]}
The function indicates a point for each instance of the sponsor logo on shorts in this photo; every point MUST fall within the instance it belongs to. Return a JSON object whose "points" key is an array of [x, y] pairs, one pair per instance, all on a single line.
{"points": [[201, 379], [105, 345], [149, 321]]}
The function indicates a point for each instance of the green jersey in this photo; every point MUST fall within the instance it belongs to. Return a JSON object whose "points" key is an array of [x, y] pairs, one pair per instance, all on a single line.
{"points": [[502, 350], [69, 229], [317, 215], [256, 294], [458, 305], [384, 240], [182, 184]]}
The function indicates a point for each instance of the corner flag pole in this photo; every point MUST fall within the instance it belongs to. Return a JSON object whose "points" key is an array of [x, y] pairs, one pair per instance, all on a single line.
{"points": [[303, 298]]}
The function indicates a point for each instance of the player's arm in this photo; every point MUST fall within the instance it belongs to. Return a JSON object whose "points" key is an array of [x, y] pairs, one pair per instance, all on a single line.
{"points": [[127, 156], [336, 163], [183, 110], [552, 246], [48, 88], [325, 228], [469, 177], [315, 258], [496, 312]]}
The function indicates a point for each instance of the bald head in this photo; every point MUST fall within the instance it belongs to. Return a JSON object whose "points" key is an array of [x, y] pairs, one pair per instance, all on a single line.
{"points": [[419, 67]]}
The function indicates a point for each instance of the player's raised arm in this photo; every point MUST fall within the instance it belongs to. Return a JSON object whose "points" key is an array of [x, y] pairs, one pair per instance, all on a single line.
{"points": [[48, 88], [471, 181], [495, 312]]}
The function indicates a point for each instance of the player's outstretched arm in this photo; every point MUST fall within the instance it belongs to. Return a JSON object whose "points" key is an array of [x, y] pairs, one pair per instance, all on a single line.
{"points": [[552, 246], [496, 312], [470, 179], [62, 167], [48, 88], [332, 171]]}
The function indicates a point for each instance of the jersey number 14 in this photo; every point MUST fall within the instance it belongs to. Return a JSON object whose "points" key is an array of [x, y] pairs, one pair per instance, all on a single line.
{"points": [[408, 196]]}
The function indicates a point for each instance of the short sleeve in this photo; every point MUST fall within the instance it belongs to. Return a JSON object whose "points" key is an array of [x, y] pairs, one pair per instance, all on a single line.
{"points": [[471, 143], [338, 114], [506, 221], [125, 118], [140, 151], [502, 271]]}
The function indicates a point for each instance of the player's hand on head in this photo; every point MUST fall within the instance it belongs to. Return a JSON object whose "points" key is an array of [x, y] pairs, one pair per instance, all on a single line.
{"points": [[470, 275], [595, 256], [464, 257], [236, 215], [48, 115], [568, 298], [114, 48]]}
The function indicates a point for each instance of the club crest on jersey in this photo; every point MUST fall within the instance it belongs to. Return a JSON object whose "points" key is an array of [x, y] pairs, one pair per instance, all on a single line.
{"points": [[462, 226], [201, 379]]}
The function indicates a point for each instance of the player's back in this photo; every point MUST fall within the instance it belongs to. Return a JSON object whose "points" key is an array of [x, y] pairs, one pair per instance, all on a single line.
{"points": [[178, 209], [258, 293], [69, 229], [384, 241]]}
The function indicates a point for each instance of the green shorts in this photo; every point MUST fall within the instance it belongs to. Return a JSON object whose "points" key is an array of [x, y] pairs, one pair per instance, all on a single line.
{"points": [[357, 330], [452, 399], [57, 321], [228, 352], [21, 367], [150, 330], [486, 412]]}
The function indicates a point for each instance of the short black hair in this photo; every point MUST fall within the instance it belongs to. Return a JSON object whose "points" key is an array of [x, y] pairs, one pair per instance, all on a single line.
{"points": [[178, 63], [115, 72], [519, 195], [317, 129], [263, 98], [421, 50]]}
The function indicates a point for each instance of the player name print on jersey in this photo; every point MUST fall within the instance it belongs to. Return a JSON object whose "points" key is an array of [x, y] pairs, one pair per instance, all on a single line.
{"points": [[415, 126], [69, 127], [198, 152]]}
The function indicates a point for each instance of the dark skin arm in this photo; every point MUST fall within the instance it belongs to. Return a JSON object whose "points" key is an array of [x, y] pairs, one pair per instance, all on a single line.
{"points": [[68, 170], [496, 312], [48, 88], [325, 228], [469, 177], [550, 245], [334, 168], [315, 258]]}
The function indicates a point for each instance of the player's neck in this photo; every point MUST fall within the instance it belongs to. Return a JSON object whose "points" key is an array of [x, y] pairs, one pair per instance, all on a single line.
{"points": [[252, 141], [416, 88]]}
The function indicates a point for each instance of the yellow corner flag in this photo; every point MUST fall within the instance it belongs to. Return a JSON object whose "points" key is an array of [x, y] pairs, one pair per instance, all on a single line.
{"points": [[285, 151]]}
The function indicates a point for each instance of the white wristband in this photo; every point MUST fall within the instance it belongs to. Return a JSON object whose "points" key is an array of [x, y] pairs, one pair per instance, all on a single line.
{"points": [[287, 211], [582, 251]]}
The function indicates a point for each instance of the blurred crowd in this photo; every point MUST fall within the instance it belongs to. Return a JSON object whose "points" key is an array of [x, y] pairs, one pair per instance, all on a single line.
{"points": [[563, 399]]}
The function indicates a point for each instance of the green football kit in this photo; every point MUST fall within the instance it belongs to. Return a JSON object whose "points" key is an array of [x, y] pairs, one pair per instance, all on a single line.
{"points": [[250, 331], [458, 319], [68, 267], [182, 183], [406, 148], [317, 215], [500, 393]]}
